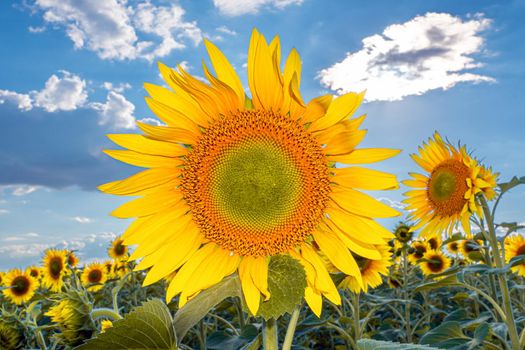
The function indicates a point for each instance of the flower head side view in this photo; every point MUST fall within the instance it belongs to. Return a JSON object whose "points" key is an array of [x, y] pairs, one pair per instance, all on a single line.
{"points": [[234, 180]]}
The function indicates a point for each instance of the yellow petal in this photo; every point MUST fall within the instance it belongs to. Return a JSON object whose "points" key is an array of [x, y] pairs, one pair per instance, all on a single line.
{"points": [[141, 144], [224, 70], [341, 108], [251, 293], [336, 252], [143, 160], [143, 180], [344, 142], [362, 204], [316, 108], [357, 226], [365, 179], [170, 116], [166, 133], [259, 272], [366, 155], [323, 281], [314, 301], [148, 205]]}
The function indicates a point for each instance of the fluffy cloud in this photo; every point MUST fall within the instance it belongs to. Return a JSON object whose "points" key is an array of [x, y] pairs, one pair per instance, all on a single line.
{"points": [[113, 28], [428, 52], [82, 219], [241, 7], [64, 93], [116, 112], [18, 190]]}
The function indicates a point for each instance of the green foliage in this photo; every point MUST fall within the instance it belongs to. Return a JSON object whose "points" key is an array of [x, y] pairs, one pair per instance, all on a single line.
{"points": [[149, 326], [371, 344], [286, 283], [446, 336]]}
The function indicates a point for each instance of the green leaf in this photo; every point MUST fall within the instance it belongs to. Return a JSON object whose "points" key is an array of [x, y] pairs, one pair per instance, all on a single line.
{"points": [[199, 306], [481, 332], [146, 327], [515, 181], [449, 281], [446, 335], [286, 283], [371, 344]]}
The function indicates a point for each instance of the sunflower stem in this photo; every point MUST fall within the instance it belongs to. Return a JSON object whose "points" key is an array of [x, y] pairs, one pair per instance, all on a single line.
{"points": [[290, 331], [40, 340], [357, 316], [270, 339], [105, 312], [406, 294], [507, 306]]}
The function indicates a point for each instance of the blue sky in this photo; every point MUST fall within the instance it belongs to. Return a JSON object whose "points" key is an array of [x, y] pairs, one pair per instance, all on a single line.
{"points": [[73, 72]]}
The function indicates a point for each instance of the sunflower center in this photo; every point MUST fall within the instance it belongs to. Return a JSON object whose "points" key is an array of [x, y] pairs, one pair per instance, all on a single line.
{"points": [[95, 276], [55, 267], [521, 250], [256, 182], [20, 285], [363, 263], [419, 251], [453, 246], [447, 187], [119, 248], [433, 243], [435, 263], [34, 273]]}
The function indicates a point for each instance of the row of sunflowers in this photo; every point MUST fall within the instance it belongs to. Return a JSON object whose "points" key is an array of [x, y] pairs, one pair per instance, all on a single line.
{"points": [[252, 229]]}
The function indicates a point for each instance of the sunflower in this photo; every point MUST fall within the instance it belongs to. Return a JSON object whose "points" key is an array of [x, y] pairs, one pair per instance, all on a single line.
{"points": [[94, 276], [104, 325], [54, 269], [10, 336], [515, 246], [417, 250], [21, 286], [453, 247], [446, 195], [2, 278], [468, 246], [234, 181], [371, 271], [72, 259], [118, 250], [434, 241], [403, 233], [434, 262]]}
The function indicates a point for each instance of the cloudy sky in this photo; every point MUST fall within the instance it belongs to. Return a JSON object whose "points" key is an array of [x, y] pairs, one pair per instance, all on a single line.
{"points": [[72, 71]]}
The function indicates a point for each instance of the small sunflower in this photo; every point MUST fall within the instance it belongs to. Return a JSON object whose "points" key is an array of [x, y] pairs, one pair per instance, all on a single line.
{"points": [[417, 250], [34, 271], [104, 325], [515, 246], [394, 280], [54, 269], [109, 268], [403, 232], [20, 286], [72, 259], [2, 277], [446, 195], [454, 247], [434, 262], [118, 250], [10, 336], [232, 180], [94, 276], [371, 271], [468, 246], [434, 241]]}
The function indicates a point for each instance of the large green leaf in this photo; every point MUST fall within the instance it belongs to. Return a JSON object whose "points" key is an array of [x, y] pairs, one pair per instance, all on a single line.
{"points": [[146, 327], [450, 281], [199, 306], [371, 344], [286, 283], [446, 335]]}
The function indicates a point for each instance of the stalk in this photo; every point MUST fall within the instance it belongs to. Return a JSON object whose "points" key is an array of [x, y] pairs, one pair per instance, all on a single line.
{"points": [[290, 331], [270, 339], [405, 292], [357, 317], [507, 306], [105, 312]]}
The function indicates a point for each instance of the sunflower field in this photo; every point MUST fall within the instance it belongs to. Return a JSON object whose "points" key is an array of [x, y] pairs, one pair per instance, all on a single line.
{"points": [[254, 228]]}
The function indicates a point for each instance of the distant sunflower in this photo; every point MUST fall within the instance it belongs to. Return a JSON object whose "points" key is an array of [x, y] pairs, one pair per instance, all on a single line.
{"points": [[515, 246], [20, 286], [435, 262], [371, 271], [468, 246], [403, 233], [109, 268], [446, 195], [395, 279], [10, 336], [94, 276], [453, 247], [434, 241], [418, 249], [105, 325], [118, 250], [234, 181], [2, 278], [54, 269], [72, 259]]}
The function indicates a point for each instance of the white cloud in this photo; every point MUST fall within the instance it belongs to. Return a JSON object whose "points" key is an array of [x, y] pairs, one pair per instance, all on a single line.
{"points": [[23, 250], [151, 121], [241, 7], [116, 112], [23, 101], [82, 219], [428, 52], [391, 202], [226, 30], [117, 88], [36, 29], [4, 211], [62, 94], [116, 29], [20, 190]]}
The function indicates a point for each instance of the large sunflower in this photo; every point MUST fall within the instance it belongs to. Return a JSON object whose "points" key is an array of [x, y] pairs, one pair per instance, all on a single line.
{"points": [[515, 246], [94, 276], [445, 196], [20, 286], [54, 269], [234, 181]]}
